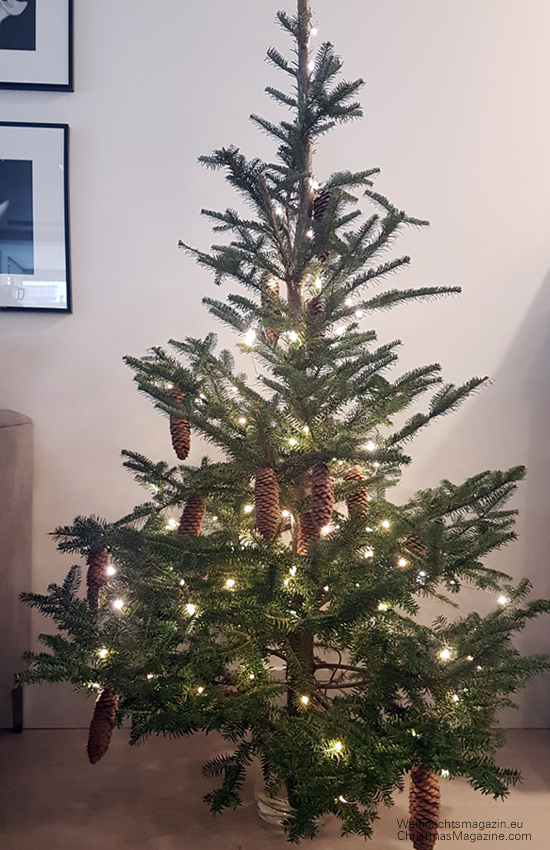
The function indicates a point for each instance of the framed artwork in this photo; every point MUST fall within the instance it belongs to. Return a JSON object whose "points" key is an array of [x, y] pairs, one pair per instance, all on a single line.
{"points": [[34, 217], [36, 38]]}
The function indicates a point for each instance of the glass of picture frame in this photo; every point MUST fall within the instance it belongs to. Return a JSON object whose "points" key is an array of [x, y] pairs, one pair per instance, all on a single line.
{"points": [[34, 217], [36, 38]]}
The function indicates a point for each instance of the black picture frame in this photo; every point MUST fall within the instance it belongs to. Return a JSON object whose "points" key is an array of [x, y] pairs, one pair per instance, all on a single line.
{"points": [[35, 254], [36, 45]]}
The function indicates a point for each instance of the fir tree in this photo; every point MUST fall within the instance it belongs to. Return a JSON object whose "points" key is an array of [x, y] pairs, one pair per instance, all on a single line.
{"points": [[288, 553]]}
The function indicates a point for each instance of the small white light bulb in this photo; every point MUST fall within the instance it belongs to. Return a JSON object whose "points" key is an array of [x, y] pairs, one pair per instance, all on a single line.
{"points": [[248, 509], [182, 582], [310, 66], [445, 654], [338, 746], [230, 583], [305, 700], [252, 676], [171, 524], [285, 514], [402, 562], [369, 553], [326, 529], [150, 676], [200, 690], [243, 420], [286, 582], [469, 658], [359, 314], [385, 523], [118, 604], [383, 606], [190, 608], [503, 600], [293, 336], [293, 442], [110, 570], [250, 337], [445, 773], [342, 799], [310, 234], [103, 653], [95, 685], [371, 447], [456, 698], [292, 571], [305, 429]]}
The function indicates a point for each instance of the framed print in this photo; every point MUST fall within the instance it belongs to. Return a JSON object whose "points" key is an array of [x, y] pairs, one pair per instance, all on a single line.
{"points": [[36, 38], [34, 217]]}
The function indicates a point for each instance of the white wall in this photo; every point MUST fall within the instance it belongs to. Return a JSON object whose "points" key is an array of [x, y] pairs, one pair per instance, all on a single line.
{"points": [[457, 109]]}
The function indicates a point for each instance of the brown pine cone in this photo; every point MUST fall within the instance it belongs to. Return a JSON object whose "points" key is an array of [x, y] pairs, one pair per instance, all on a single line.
{"points": [[424, 798], [101, 727], [180, 430], [415, 545], [357, 500], [96, 576], [269, 295], [318, 210], [192, 515], [305, 533], [316, 311], [320, 204], [322, 496], [266, 502]]}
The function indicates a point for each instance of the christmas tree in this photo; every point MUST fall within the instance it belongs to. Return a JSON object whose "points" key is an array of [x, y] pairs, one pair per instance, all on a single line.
{"points": [[282, 608]]}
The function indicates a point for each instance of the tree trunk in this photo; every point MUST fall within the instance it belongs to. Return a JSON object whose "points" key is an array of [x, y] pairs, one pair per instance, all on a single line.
{"points": [[296, 287], [302, 642]]}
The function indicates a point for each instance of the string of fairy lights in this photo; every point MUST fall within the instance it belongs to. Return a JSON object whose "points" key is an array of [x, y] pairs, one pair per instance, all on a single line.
{"points": [[334, 748]]}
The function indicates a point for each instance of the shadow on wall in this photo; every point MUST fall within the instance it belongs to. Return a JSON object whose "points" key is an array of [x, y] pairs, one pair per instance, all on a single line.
{"points": [[527, 368], [519, 401]]}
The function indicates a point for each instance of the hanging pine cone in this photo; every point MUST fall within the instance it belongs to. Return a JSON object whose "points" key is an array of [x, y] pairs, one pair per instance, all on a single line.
{"points": [[305, 533], [96, 576], [101, 727], [180, 430], [320, 204], [318, 210], [266, 502], [415, 545], [316, 313], [192, 515], [269, 296], [322, 496], [357, 501], [424, 798]]}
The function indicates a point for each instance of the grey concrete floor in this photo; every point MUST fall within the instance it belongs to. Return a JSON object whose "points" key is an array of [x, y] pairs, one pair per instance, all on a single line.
{"points": [[150, 798]]}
